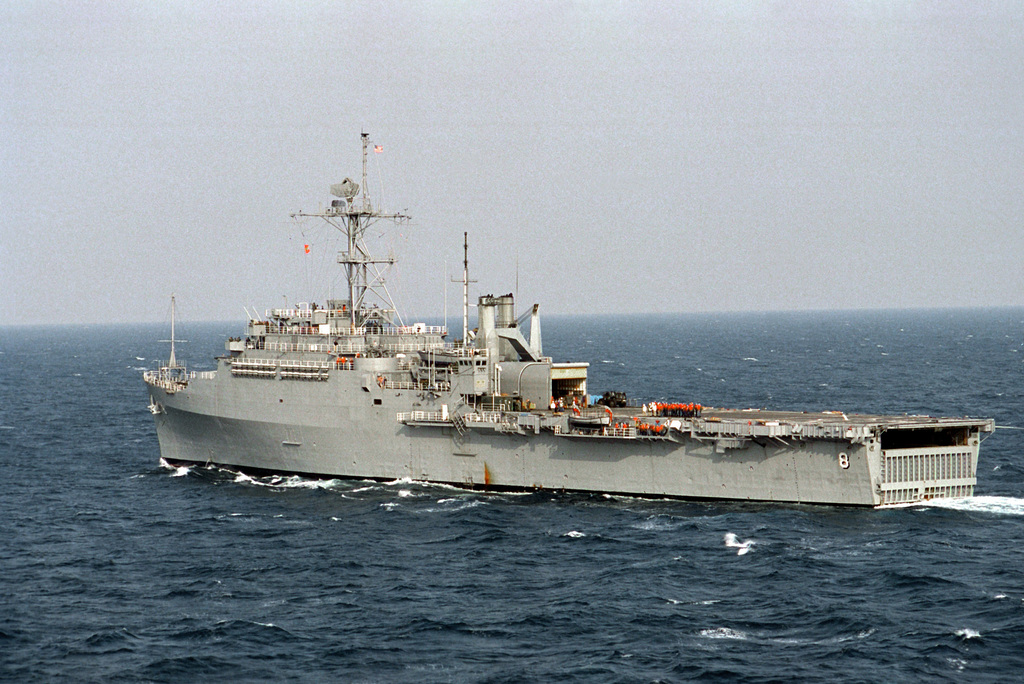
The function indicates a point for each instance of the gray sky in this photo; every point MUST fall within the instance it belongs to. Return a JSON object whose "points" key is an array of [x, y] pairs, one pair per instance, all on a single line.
{"points": [[632, 157]]}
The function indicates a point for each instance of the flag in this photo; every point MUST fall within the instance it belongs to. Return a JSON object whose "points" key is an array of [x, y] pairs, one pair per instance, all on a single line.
{"points": [[378, 148], [307, 249]]}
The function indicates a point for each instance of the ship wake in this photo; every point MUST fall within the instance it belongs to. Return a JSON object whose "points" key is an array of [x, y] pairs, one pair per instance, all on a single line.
{"points": [[999, 505]]}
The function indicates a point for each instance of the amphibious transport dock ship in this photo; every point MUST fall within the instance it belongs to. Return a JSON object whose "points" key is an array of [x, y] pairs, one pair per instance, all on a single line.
{"points": [[346, 389]]}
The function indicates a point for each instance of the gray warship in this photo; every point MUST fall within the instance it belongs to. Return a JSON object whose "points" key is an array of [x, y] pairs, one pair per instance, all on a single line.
{"points": [[346, 389]]}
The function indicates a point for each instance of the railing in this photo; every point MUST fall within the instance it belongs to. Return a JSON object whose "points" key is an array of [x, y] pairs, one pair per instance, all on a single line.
{"points": [[269, 327], [417, 330], [289, 313], [406, 385], [172, 383], [350, 348], [412, 346], [423, 416], [400, 384], [296, 347], [451, 349], [485, 417]]}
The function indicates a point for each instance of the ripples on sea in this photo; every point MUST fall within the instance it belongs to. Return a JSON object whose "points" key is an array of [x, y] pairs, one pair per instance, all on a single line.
{"points": [[115, 567]]}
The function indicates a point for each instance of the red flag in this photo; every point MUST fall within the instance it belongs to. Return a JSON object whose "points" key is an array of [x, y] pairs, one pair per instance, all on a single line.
{"points": [[307, 249], [378, 148]]}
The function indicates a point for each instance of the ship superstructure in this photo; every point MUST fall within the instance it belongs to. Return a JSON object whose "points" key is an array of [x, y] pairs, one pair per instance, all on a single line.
{"points": [[347, 389]]}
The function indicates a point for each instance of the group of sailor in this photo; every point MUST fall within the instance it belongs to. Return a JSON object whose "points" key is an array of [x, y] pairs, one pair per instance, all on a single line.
{"points": [[561, 403], [673, 410]]}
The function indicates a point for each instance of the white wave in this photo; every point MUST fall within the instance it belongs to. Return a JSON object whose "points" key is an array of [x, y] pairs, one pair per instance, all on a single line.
{"points": [[574, 534], [999, 596], [404, 492], [138, 368], [749, 358], [179, 471], [140, 358], [723, 633], [399, 481], [453, 509], [741, 547], [388, 506], [282, 481], [863, 634], [6, 427], [656, 522], [297, 482], [1000, 505], [968, 633]]}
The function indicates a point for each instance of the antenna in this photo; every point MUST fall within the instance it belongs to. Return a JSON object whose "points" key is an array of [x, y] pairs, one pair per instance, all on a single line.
{"points": [[514, 312], [465, 287], [366, 141], [172, 362]]}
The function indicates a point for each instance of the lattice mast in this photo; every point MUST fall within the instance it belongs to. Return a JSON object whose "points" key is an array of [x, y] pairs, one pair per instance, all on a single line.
{"points": [[352, 214]]}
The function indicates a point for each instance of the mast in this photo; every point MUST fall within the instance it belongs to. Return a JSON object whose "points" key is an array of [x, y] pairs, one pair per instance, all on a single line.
{"points": [[172, 362], [465, 287], [369, 301]]}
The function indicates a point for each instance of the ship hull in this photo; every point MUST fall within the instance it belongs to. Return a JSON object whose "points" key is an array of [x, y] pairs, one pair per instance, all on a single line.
{"points": [[349, 428]]}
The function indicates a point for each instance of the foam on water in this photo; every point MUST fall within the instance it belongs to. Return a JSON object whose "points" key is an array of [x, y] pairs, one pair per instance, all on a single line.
{"points": [[658, 522], [452, 506], [179, 471], [742, 548], [999, 505], [723, 633]]}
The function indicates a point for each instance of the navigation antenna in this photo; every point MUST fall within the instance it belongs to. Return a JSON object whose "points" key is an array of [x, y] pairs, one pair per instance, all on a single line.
{"points": [[173, 362], [465, 287], [369, 302]]}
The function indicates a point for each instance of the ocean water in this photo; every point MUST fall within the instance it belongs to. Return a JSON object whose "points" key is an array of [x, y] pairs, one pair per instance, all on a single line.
{"points": [[116, 568]]}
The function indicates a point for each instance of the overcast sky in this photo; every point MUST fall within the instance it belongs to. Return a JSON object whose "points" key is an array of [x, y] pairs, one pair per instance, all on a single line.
{"points": [[628, 156]]}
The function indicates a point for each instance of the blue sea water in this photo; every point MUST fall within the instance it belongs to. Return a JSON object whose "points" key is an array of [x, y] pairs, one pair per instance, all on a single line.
{"points": [[115, 568]]}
